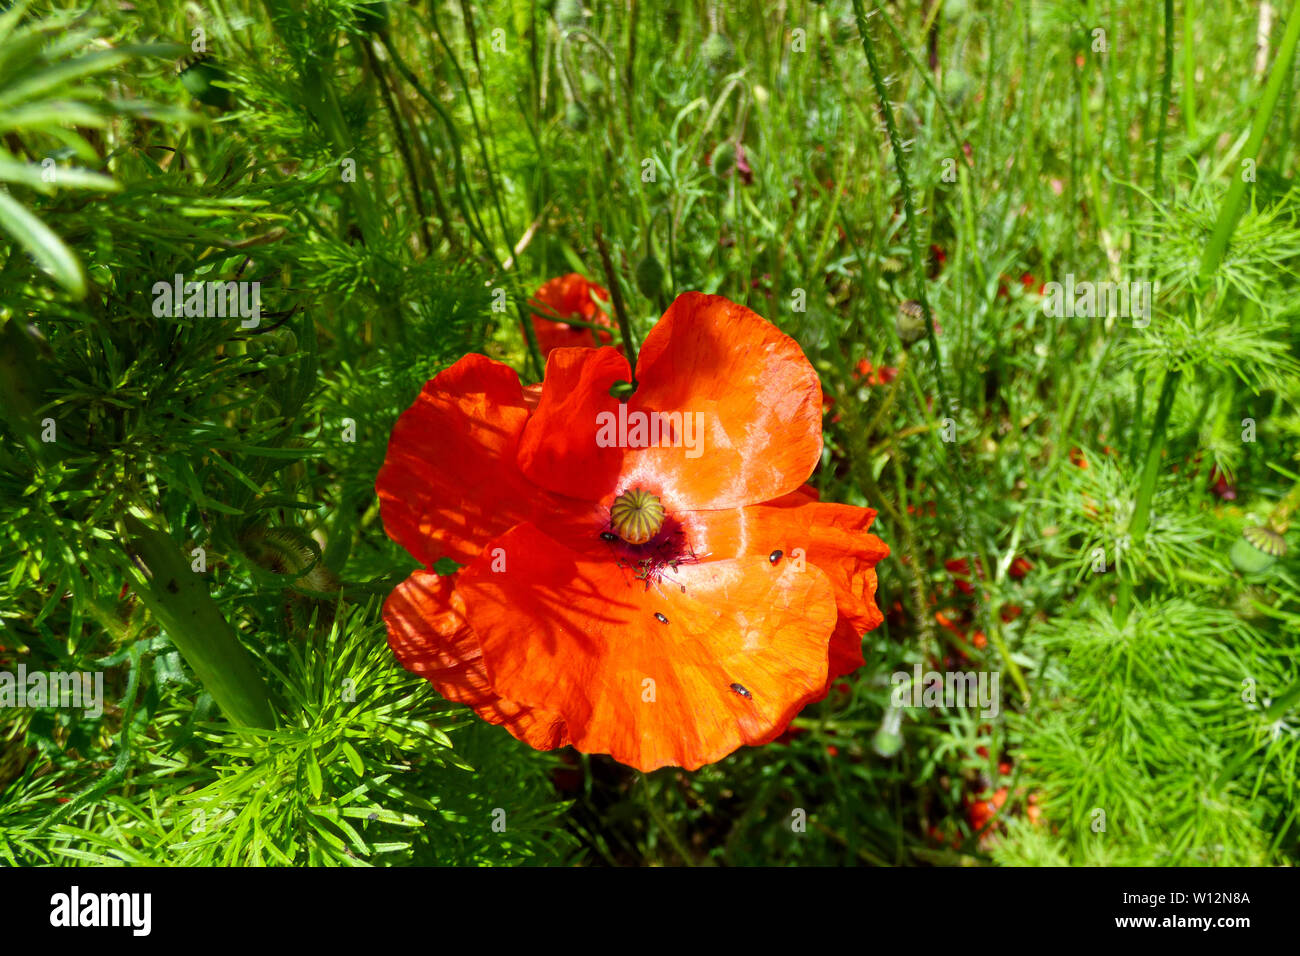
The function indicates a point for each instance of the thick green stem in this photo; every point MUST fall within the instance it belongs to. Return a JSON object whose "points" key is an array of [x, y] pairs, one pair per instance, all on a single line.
{"points": [[1137, 528], [179, 600], [1141, 519]]}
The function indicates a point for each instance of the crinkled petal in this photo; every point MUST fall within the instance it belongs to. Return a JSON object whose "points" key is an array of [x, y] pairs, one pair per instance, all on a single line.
{"points": [[735, 404], [450, 482], [576, 635], [428, 632], [560, 452]]}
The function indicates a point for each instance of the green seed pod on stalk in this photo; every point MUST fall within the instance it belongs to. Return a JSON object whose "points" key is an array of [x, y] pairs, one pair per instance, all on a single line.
{"points": [[910, 322], [1257, 550], [717, 52]]}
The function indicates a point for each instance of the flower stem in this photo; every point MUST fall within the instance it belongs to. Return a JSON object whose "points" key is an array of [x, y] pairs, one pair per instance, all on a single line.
{"points": [[620, 310], [180, 602], [1231, 209], [905, 185], [1166, 88]]}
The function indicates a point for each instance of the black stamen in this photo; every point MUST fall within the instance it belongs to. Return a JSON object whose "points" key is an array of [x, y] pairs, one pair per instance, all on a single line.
{"points": [[742, 691], [775, 556], [608, 536], [660, 618]]}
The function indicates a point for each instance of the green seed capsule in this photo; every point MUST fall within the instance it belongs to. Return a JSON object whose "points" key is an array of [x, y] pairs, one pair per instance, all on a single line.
{"points": [[636, 516], [717, 52], [1256, 550], [910, 322]]}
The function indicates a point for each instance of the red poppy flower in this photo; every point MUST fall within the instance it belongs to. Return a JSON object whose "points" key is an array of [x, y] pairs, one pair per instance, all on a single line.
{"points": [[1031, 284], [959, 568], [828, 406], [569, 297], [938, 258], [864, 372], [567, 624], [1221, 486], [1033, 811], [981, 812]]}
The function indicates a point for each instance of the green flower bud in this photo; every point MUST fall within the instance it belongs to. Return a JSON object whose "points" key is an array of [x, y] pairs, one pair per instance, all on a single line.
{"points": [[198, 77], [650, 277], [888, 738], [569, 13], [576, 117], [717, 52], [724, 160]]}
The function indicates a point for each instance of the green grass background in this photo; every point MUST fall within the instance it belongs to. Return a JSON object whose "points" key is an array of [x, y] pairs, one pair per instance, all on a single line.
{"points": [[954, 153]]}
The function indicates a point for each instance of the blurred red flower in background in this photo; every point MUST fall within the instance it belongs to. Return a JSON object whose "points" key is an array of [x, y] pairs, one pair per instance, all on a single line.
{"points": [[569, 297], [865, 372]]}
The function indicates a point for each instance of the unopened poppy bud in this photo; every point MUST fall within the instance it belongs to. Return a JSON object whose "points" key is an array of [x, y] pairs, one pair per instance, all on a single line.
{"points": [[888, 738], [650, 277], [198, 76], [576, 117], [1256, 550], [637, 516], [569, 14], [724, 160], [717, 51]]}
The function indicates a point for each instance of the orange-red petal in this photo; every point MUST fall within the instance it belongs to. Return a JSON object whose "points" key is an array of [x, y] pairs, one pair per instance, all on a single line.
{"points": [[754, 395], [430, 636], [559, 451], [450, 482], [574, 634], [832, 537]]}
